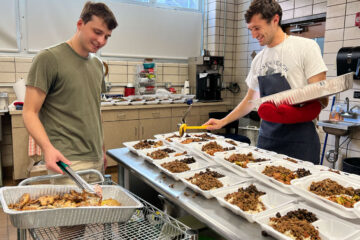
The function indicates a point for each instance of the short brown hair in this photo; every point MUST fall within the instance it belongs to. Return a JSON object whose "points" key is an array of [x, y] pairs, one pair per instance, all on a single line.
{"points": [[100, 10], [267, 8]]}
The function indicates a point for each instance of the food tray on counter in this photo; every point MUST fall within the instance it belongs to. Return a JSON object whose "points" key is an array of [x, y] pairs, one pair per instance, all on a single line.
{"points": [[329, 226], [197, 147], [301, 187], [284, 157], [198, 164], [130, 145], [229, 179], [67, 216], [271, 199], [177, 152], [255, 170], [219, 157]]}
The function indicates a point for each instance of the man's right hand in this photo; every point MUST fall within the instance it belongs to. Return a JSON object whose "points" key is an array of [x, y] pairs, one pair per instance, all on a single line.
{"points": [[214, 124], [51, 157]]}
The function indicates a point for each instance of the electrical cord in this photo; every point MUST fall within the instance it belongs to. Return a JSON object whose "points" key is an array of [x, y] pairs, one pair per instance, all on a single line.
{"points": [[234, 88]]}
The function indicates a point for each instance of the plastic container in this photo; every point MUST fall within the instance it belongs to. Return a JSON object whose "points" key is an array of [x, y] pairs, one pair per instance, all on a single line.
{"points": [[352, 165]]}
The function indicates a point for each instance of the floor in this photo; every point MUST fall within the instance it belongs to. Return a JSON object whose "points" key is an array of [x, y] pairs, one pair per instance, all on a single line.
{"points": [[7, 231]]}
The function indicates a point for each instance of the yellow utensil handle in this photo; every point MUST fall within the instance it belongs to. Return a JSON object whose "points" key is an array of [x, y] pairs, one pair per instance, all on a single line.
{"points": [[196, 127]]}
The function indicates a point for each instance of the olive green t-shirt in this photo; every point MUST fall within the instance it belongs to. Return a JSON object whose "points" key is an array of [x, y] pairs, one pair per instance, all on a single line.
{"points": [[71, 110]]}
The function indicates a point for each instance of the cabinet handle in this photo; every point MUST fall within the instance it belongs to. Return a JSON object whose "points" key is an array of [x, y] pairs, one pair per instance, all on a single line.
{"points": [[142, 130], [156, 114], [136, 132], [121, 116]]}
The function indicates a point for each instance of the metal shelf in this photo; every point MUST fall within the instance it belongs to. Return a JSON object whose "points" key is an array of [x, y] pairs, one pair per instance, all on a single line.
{"points": [[146, 224]]}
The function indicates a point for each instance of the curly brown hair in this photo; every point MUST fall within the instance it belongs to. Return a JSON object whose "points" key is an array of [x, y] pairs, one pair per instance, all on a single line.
{"points": [[100, 10], [267, 8]]}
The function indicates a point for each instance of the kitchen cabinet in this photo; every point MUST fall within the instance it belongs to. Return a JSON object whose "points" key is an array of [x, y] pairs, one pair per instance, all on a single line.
{"points": [[20, 140], [120, 124]]}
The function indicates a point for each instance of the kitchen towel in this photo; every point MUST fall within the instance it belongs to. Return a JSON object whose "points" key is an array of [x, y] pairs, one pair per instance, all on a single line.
{"points": [[34, 149]]}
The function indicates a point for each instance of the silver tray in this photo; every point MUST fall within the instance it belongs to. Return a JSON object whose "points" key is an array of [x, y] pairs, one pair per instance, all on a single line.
{"points": [[67, 216]]}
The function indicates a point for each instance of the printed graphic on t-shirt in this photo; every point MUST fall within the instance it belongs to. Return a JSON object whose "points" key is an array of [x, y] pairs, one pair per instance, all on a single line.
{"points": [[271, 67]]}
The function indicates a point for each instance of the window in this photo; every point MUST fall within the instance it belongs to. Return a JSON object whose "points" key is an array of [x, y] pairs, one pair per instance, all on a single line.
{"points": [[183, 4], [192, 4]]}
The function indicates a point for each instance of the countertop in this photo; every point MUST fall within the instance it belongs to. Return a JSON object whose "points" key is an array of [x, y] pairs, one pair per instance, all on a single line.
{"points": [[174, 105]]}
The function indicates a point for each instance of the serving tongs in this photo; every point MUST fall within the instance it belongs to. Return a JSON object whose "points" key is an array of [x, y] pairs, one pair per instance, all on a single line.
{"points": [[183, 126], [78, 180]]}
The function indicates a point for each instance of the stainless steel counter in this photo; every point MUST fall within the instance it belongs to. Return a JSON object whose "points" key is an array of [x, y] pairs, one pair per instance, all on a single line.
{"points": [[221, 220]]}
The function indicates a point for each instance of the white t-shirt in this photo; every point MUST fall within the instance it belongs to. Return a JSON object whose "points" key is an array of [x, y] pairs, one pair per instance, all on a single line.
{"points": [[297, 58]]}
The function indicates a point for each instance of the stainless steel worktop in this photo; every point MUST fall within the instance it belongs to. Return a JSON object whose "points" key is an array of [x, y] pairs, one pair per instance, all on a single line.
{"points": [[221, 220]]}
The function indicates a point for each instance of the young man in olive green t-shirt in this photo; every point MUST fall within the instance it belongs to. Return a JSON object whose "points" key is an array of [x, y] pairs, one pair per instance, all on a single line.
{"points": [[63, 91]]}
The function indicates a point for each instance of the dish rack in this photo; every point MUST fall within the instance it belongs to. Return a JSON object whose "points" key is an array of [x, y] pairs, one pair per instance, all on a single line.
{"points": [[145, 80], [145, 224]]}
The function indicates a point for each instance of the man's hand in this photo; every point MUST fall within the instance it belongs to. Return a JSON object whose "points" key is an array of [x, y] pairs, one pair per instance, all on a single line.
{"points": [[52, 156], [214, 124]]}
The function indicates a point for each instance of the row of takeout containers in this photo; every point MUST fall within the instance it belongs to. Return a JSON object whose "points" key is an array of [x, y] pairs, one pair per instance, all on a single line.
{"points": [[148, 99], [279, 200]]}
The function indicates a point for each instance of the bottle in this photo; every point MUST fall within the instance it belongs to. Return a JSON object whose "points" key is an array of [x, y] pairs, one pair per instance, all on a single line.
{"points": [[335, 114]]}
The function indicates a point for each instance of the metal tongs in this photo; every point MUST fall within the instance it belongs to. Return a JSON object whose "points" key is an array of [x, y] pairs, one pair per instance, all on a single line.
{"points": [[77, 179], [183, 126]]}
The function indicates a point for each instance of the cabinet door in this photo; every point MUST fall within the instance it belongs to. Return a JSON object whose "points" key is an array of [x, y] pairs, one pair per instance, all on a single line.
{"points": [[20, 138], [151, 127], [117, 132]]}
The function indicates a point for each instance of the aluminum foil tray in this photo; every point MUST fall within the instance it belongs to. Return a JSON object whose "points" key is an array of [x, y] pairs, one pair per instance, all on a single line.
{"points": [[67, 216]]}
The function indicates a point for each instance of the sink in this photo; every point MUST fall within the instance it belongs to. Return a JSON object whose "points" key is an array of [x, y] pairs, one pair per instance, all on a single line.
{"points": [[338, 128]]}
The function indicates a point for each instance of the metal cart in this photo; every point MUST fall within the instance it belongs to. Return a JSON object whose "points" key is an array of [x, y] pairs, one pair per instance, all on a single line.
{"points": [[147, 223]]}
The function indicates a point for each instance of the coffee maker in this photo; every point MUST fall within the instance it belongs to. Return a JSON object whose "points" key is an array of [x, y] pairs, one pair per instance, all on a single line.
{"points": [[205, 77]]}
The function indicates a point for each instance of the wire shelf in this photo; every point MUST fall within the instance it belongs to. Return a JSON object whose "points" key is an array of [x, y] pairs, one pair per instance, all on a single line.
{"points": [[146, 223]]}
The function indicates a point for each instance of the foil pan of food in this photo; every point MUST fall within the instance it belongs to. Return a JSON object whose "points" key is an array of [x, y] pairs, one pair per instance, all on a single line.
{"points": [[300, 221], [65, 205], [337, 193]]}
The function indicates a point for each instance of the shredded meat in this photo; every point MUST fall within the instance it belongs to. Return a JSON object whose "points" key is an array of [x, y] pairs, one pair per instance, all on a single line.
{"points": [[243, 159], [176, 166], [247, 199], [191, 140], [333, 191], [161, 153], [148, 144], [290, 160], [296, 224], [72, 199], [207, 180], [213, 147], [205, 135], [283, 174], [231, 142]]}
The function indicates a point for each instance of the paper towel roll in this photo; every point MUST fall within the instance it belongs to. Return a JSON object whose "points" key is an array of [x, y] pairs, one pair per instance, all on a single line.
{"points": [[19, 88]]}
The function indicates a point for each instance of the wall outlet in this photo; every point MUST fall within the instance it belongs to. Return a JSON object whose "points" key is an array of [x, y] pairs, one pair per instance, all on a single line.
{"points": [[356, 94]]}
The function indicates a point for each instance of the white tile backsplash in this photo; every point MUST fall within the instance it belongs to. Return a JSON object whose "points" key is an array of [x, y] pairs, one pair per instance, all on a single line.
{"points": [[336, 11], [335, 23]]}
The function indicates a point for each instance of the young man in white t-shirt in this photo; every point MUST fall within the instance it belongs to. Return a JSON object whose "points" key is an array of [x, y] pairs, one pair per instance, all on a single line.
{"points": [[286, 62]]}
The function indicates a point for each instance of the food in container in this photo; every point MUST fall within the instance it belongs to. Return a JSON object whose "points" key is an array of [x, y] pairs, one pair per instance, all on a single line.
{"points": [[329, 227], [247, 199], [296, 224], [160, 154], [206, 180], [213, 147], [148, 144], [333, 191], [285, 175], [178, 166], [242, 159]]}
